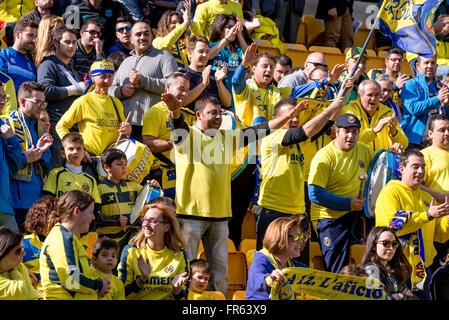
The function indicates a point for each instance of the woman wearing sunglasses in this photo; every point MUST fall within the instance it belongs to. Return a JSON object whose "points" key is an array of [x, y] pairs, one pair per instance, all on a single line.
{"points": [[153, 266], [15, 282], [384, 262], [283, 241]]}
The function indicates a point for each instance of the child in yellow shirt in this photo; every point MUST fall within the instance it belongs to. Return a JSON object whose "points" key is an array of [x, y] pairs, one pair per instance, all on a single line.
{"points": [[105, 259], [199, 281]]}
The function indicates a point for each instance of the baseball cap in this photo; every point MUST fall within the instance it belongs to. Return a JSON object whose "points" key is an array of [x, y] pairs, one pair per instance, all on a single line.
{"points": [[354, 53], [347, 120]]}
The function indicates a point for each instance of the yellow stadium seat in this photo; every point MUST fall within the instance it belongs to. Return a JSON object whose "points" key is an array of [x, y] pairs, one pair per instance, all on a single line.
{"points": [[239, 295], [356, 253], [297, 52], [249, 226], [247, 244], [237, 272], [315, 256], [266, 46], [382, 54], [231, 247], [360, 38], [323, 49], [333, 55], [313, 28], [250, 257], [301, 36], [218, 295], [92, 237]]}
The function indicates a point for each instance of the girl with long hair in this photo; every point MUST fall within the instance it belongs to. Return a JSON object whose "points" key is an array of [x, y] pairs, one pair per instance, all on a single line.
{"points": [[44, 40]]}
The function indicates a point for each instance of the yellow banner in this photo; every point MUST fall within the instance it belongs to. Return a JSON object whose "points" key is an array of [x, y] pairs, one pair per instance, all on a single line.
{"points": [[314, 108], [301, 282]]}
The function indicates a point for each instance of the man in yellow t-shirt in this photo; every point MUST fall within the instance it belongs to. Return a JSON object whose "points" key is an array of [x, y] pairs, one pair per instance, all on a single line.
{"points": [[282, 158], [204, 156], [436, 178], [412, 215], [333, 191], [157, 131], [380, 127]]}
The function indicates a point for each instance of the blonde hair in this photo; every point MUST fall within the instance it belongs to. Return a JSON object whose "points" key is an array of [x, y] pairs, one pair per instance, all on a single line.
{"points": [[44, 40], [276, 235], [172, 238], [67, 204]]}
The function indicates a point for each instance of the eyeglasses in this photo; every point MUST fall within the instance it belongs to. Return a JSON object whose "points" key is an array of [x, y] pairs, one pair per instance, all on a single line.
{"points": [[94, 33], [40, 104], [298, 236], [388, 243], [316, 64], [151, 221], [124, 29], [4, 98], [395, 59]]}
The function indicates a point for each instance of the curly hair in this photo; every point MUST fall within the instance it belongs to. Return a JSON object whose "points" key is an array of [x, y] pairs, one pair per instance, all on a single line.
{"points": [[36, 220]]}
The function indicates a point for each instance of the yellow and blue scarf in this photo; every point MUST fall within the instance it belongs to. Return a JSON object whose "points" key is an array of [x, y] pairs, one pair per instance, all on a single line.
{"points": [[16, 121]]}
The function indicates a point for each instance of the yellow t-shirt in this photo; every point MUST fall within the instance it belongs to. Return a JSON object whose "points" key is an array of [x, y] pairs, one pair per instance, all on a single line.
{"points": [[16, 285], [165, 265], [205, 295], [62, 180], [206, 13], [437, 169], [97, 120], [203, 173], [117, 291], [337, 171], [381, 140], [397, 196], [282, 186]]}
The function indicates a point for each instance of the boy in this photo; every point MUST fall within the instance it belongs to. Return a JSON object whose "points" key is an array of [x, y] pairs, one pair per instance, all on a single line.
{"points": [[199, 281], [104, 259], [71, 176], [118, 197]]}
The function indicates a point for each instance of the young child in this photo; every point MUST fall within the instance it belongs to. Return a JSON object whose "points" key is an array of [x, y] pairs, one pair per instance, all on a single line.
{"points": [[118, 197], [71, 176], [105, 259], [199, 281], [44, 120]]}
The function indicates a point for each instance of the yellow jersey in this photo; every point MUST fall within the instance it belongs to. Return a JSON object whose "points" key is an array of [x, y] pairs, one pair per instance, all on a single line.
{"points": [[66, 269], [337, 171], [117, 291], [282, 186], [98, 118], [16, 285], [381, 140], [437, 169], [165, 265]]}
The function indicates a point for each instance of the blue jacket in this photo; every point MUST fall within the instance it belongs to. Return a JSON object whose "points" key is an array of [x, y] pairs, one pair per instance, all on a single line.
{"points": [[118, 46], [10, 157], [416, 105], [24, 194], [261, 267], [17, 66]]}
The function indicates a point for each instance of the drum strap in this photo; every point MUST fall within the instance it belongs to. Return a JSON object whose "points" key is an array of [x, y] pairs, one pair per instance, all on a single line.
{"points": [[165, 160], [115, 108]]}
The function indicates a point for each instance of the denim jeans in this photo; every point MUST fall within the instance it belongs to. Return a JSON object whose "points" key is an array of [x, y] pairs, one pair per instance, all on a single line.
{"points": [[215, 241]]}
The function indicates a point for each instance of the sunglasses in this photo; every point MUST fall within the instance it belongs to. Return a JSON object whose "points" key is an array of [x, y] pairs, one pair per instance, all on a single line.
{"points": [[388, 243], [94, 33], [316, 64], [298, 236], [124, 29]]}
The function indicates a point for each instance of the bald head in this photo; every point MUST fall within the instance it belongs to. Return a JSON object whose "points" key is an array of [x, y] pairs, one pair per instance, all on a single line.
{"points": [[313, 60]]}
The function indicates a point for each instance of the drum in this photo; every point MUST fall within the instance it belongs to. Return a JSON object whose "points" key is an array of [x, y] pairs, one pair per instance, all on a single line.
{"points": [[147, 194], [240, 159], [139, 158], [383, 168]]}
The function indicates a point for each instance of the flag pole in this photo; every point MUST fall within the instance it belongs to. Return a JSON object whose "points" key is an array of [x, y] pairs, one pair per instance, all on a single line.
{"points": [[370, 35]]}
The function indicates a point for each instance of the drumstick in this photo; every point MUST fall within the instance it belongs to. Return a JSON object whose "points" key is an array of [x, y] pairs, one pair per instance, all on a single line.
{"points": [[120, 134], [362, 177], [118, 207]]}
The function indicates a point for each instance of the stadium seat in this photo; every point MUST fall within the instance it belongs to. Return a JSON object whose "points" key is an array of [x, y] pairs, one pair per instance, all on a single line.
{"points": [[248, 247], [218, 295], [311, 29], [231, 248], [249, 257], [297, 52], [333, 55], [239, 295], [316, 257], [92, 237], [360, 38], [356, 253], [265, 45], [249, 226]]}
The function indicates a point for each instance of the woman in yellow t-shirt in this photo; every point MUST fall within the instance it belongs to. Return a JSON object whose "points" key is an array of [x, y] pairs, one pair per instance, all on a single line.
{"points": [[153, 266], [15, 283]]}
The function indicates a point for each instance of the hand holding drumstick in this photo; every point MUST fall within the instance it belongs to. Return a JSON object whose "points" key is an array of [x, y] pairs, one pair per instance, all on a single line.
{"points": [[125, 129]]}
